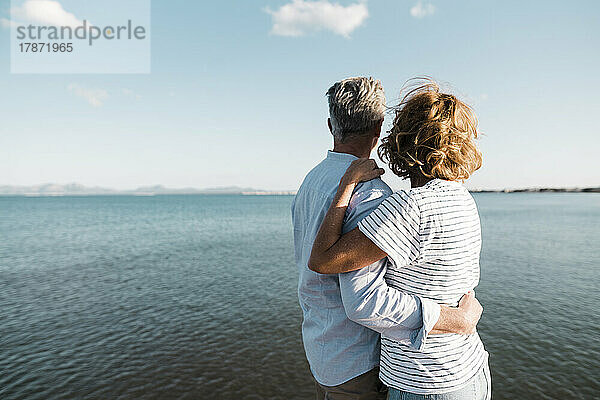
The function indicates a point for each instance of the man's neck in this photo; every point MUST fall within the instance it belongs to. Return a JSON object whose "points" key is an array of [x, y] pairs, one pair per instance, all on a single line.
{"points": [[360, 151]]}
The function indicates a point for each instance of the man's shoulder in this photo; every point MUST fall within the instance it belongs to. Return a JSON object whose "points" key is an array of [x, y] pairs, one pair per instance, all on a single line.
{"points": [[308, 183], [369, 194], [373, 188], [376, 184], [324, 178]]}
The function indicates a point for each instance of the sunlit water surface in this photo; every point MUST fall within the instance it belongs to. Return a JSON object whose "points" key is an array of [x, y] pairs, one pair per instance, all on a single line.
{"points": [[194, 297]]}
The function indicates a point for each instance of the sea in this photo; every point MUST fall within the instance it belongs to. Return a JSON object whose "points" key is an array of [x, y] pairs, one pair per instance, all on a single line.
{"points": [[195, 297]]}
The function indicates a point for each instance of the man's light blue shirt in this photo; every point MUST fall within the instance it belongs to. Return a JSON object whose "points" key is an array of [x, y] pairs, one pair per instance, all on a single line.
{"points": [[339, 309]]}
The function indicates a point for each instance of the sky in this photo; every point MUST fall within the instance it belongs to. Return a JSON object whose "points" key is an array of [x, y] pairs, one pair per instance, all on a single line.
{"points": [[236, 92]]}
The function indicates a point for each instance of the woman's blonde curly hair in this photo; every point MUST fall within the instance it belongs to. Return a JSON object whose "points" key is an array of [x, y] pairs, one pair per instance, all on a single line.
{"points": [[433, 135]]}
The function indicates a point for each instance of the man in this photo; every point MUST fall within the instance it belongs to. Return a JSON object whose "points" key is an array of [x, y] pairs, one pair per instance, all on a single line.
{"points": [[344, 314]]}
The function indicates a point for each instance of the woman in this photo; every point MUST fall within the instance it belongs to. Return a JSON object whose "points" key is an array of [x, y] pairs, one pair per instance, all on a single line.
{"points": [[430, 234]]}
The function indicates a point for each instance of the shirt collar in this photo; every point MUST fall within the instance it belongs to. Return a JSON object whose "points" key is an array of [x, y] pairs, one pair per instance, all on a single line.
{"points": [[335, 156]]}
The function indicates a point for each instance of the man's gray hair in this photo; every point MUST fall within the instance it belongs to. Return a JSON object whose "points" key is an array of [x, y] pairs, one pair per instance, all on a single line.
{"points": [[356, 105]]}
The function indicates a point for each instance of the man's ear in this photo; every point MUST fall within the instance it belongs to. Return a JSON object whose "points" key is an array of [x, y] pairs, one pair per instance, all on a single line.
{"points": [[377, 133], [374, 142], [377, 129], [379, 126], [329, 125]]}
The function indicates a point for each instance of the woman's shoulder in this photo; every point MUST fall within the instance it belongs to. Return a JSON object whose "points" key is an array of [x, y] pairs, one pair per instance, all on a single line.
{"points": [[439, 197], [435, 193], [436, 188], [404, 201]]}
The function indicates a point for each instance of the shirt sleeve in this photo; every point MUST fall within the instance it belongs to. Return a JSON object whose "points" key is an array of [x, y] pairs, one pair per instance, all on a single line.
{"points": [[399, 316], [367, 298]]}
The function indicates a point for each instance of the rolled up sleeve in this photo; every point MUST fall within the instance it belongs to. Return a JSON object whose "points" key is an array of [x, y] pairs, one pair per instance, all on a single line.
{"points": [[399, 316]]}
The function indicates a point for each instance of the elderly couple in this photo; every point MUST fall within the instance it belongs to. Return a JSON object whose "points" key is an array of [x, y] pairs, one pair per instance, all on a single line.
{"points": [[386, 278]]}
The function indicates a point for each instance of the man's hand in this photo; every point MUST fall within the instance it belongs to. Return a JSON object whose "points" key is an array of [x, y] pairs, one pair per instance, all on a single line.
{"points": [[462, 320], [472, 311]]}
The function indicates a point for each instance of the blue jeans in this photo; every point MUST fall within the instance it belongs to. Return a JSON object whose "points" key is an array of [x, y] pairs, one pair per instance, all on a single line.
{"points": [[478, 388]]}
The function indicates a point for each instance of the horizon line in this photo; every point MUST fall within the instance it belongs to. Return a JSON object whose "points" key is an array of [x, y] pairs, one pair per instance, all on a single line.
{"points": [[66, 188]]}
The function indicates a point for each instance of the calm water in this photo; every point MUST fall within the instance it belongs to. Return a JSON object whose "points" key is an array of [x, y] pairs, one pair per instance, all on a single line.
{"points": [[195, 297]]}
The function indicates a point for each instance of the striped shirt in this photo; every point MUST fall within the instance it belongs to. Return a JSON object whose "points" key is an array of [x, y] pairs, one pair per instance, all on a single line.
{"points": [[432, 237]]}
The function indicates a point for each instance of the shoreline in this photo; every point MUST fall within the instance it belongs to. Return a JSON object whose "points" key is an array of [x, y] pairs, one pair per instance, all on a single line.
{"points": [[279, 193], [74, 189], [540, 190]]}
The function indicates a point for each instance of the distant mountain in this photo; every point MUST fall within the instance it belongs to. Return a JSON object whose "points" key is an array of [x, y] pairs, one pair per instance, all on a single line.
{"points": [[74, 189], [227, 190], [51, 189]]}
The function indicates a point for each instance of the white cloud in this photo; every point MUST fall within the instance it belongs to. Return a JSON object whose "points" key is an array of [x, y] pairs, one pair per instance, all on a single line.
{"points": [[95, 97], [301, 17], [421, 10], [45, 12]]}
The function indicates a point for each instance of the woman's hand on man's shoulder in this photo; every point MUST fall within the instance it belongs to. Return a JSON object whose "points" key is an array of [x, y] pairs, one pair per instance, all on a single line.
{"points": [[362, 170]]}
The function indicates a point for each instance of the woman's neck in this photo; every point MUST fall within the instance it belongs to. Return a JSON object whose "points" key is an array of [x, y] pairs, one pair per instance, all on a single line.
{"points": [[417, 180]]}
